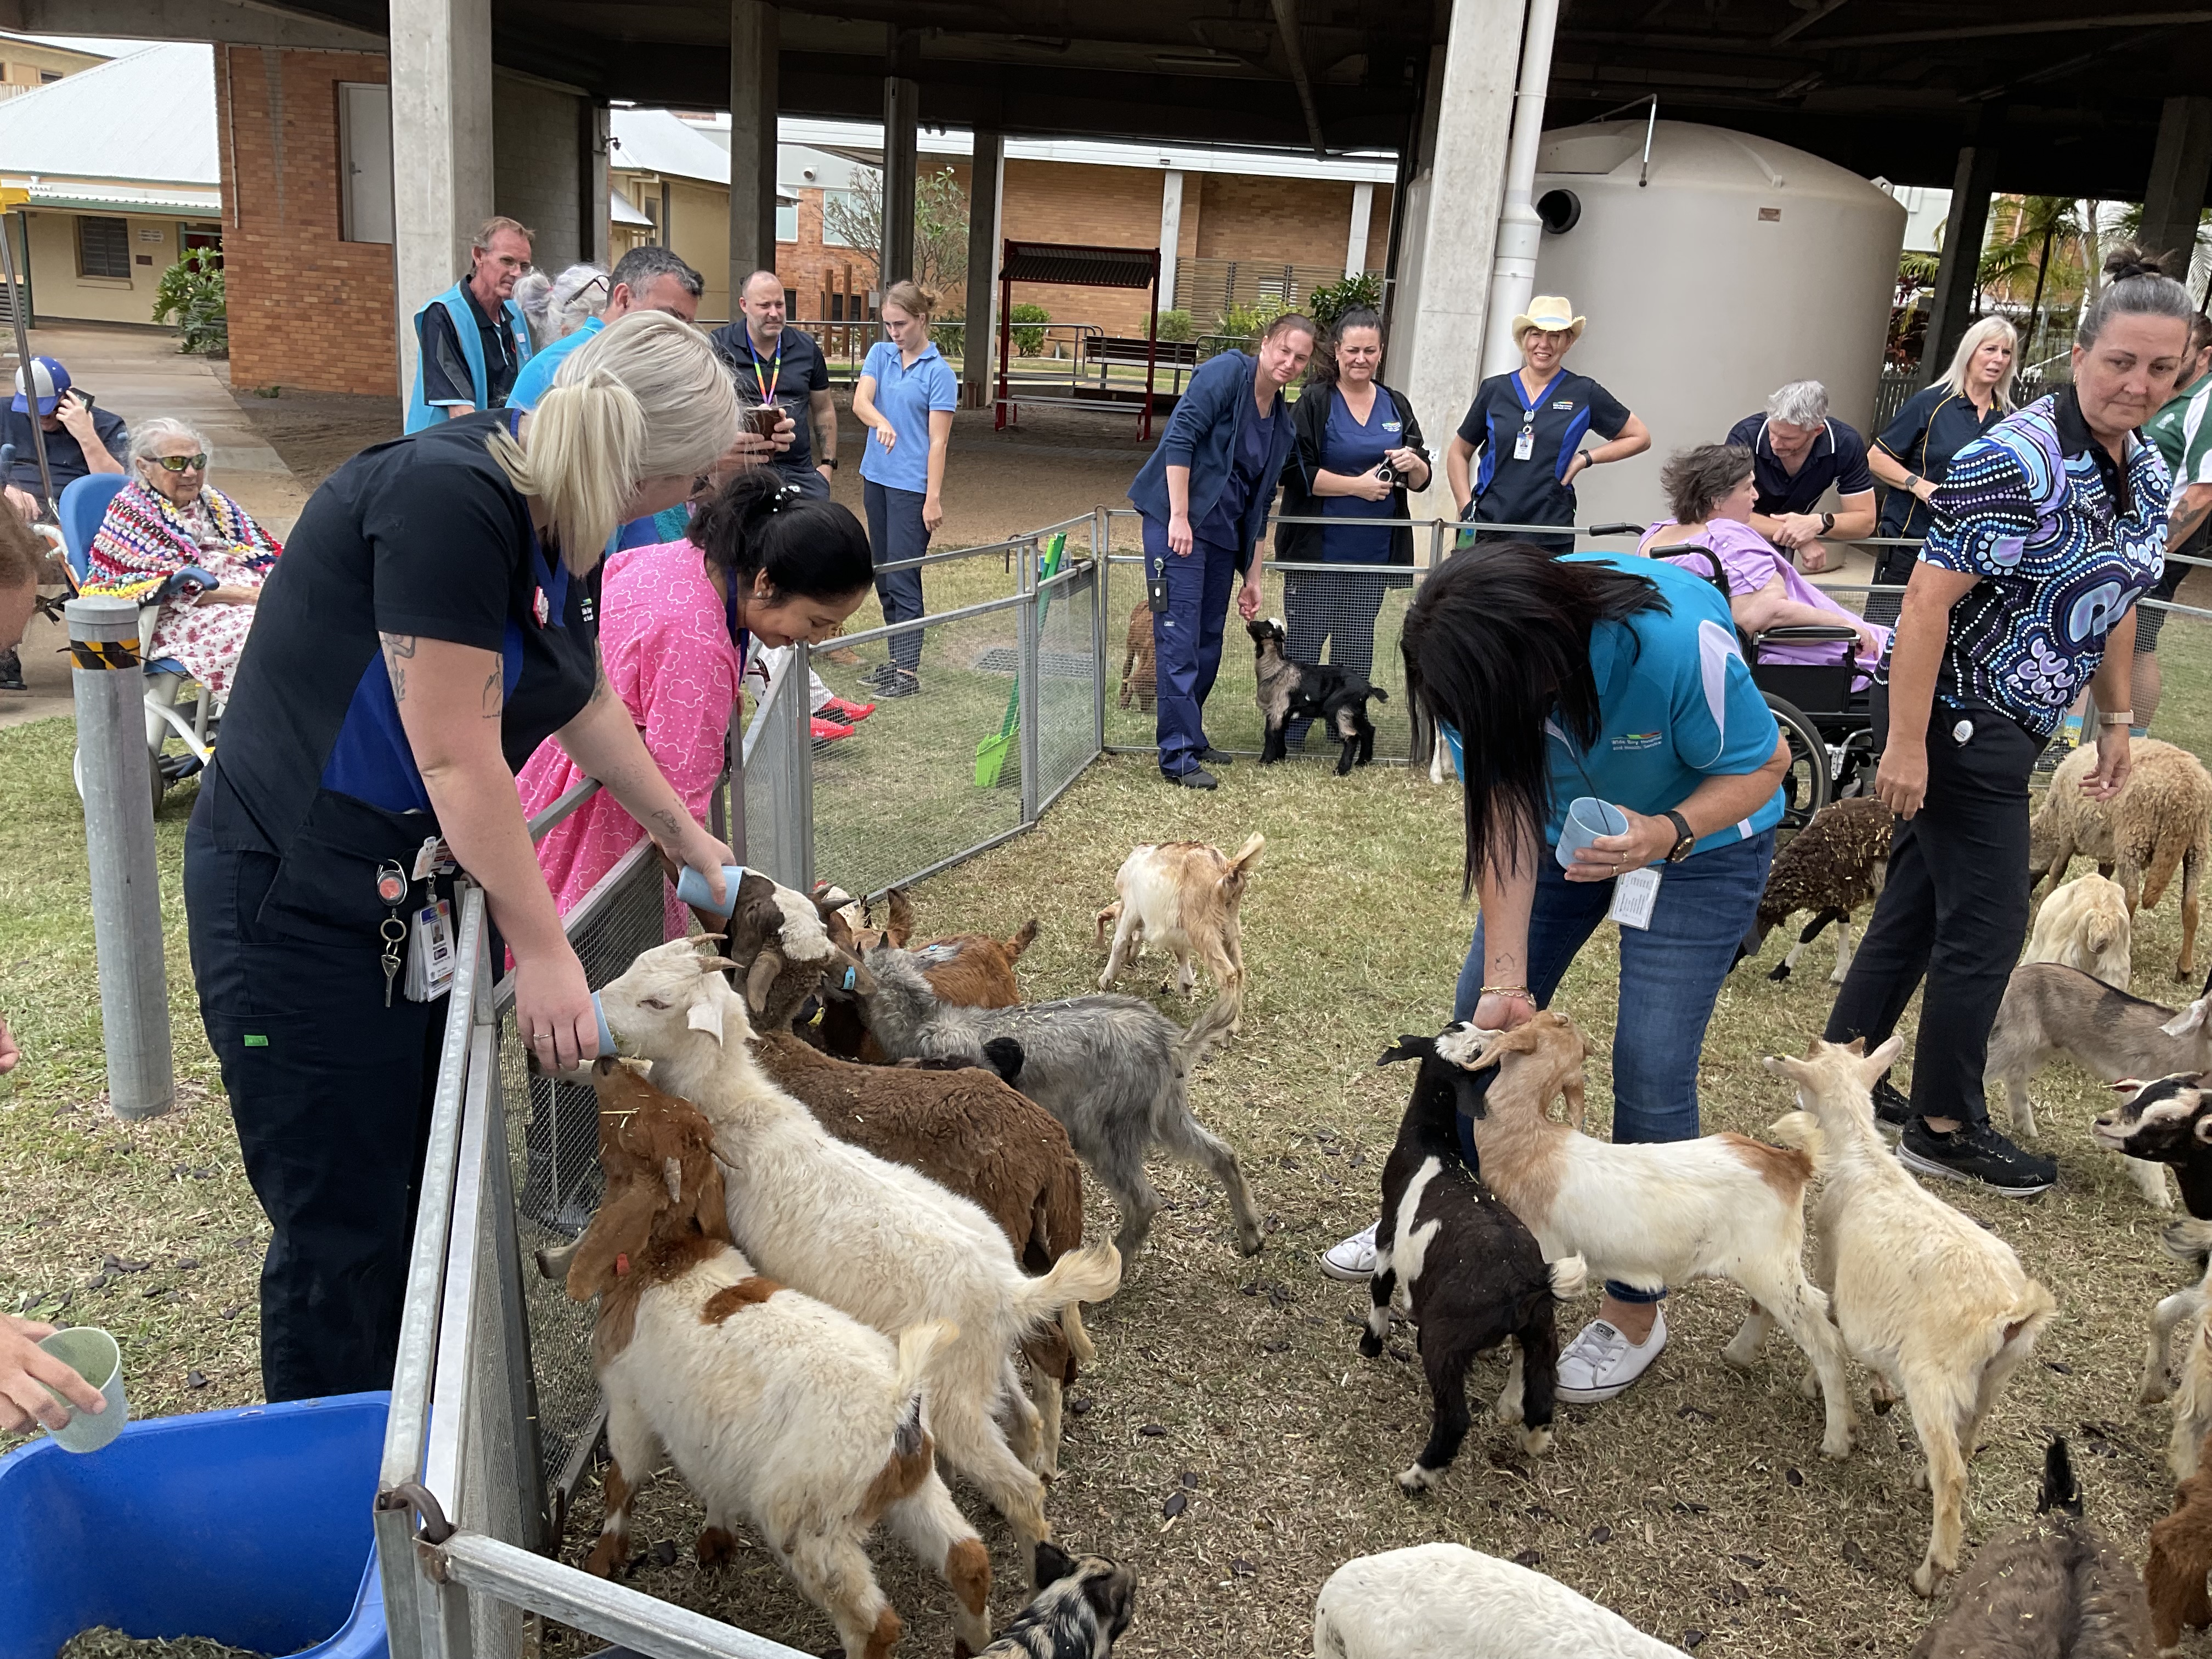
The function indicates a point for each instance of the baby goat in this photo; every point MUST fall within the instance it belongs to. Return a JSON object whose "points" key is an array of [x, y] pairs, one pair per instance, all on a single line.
{"points": [[1183, 898], [772, 1406], [1937, 1308], [1080, 1613], [1139, 669], [1321, 691], [2084, 924], [1447, 1601], [1467, 1271], [1115, 1070], [974, 969], [2180, 1556], [1725, 1206]]}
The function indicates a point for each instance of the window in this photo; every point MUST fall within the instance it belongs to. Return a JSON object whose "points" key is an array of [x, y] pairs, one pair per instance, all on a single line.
{"points": [[831, 199], [787, 221], [365, 161], [103, 248], [190, 237], [47, 77]]}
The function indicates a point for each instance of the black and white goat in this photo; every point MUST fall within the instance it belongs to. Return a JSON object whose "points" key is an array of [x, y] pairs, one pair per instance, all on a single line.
{"points": [[1466, 1268], [1305, 690]]}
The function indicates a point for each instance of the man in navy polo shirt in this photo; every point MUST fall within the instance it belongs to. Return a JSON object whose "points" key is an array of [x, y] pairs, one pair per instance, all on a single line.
{"points": [[776, 364], [1797, 453]]}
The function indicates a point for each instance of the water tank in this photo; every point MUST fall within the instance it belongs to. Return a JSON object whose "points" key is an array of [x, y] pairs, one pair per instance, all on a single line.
{"points": [[1737, 264]]}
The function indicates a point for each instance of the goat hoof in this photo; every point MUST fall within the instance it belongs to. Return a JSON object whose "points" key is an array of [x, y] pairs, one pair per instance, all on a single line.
{"points": [[1370, 1345], [714, 1546], [1416, 1481], [1837, 1449], [2155, 1394], [607, 1557], [1536, 1441], [1926, 1580], [1781, 972], [1249, 1243]]}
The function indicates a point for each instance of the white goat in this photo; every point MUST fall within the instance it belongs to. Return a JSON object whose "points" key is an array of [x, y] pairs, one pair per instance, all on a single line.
{"points": [[882, 1242], [1448, 1601], [1183, 898], [1936, 1307], [1724, 1206], [2084, 924]]}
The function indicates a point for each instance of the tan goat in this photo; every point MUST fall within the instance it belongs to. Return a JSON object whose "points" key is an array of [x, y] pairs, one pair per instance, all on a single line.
{"points": [[1183, 898]]}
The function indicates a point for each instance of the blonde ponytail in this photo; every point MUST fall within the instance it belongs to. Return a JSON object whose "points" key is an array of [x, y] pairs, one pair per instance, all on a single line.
{"points": [[644, 398]]}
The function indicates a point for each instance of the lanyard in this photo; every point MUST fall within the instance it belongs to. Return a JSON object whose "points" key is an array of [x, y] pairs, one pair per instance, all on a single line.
{"points": [[1520, 393], [767, 386], [741, 638], [550, 605]]}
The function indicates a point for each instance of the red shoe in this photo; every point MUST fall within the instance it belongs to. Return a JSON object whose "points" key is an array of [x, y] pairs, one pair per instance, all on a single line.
{"points": [[851, 713], [829, 730]]}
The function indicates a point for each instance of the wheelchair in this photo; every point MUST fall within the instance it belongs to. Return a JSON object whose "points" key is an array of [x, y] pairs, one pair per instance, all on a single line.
{"points": [[180, 722]]}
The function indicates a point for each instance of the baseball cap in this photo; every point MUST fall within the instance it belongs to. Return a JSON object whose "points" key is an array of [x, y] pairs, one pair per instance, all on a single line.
{"points": [[51, 380]]}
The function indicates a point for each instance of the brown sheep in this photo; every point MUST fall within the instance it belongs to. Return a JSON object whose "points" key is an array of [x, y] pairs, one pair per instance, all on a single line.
{"points": [[2180, 1556], [2161, 820], [968, 970], [966, 1130]]}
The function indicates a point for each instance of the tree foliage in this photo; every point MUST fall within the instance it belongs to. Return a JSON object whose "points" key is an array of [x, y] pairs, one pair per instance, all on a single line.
{"points": [[191, 294], [854, 218]]}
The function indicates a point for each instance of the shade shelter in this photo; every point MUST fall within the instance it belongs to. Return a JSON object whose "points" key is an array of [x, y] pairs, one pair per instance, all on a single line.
{"points": [[1073, 264]]}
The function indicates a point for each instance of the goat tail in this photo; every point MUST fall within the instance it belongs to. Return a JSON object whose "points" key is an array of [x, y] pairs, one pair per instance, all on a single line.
{"points": [[1570, 1277], [1212, 1027], [2060, 1489], [917, 1346], [1078, 1339], [1025, 936], [1088, 1275], [1800, 1129], [1327, 1641], [1108, 918], [2189, 1240]]}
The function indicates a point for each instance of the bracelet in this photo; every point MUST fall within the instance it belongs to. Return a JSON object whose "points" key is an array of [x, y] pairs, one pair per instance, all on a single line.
{"points": [[2124, 717], [1521, 991]]}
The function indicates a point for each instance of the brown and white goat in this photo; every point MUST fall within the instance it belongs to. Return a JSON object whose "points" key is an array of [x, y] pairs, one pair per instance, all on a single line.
{"points": [[1937, 1308], [1723, 1206], [774, 1408], [2181, 1556], [1184, 897]]}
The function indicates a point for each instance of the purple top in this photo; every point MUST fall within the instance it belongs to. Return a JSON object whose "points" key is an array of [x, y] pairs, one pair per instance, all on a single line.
{"points": [[1749, 563]]}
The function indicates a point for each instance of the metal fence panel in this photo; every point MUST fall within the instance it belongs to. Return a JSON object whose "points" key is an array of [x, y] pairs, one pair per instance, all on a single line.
{"points": [[775, 774], [1067, 680]]}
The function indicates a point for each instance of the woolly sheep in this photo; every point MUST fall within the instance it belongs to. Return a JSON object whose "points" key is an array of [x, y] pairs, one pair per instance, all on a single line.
{"points": [[2161, 819], [1833, 866]]}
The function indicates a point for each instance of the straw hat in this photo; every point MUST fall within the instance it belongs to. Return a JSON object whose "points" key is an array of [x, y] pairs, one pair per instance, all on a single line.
{"points": [[1551, 313]]}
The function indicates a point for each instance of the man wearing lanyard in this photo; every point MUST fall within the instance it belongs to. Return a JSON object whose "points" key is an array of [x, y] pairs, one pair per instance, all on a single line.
{"points": [[777, 364], [1797, 452]]}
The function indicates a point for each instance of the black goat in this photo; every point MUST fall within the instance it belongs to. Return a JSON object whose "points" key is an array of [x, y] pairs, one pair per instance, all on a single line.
{"points": [[1305, 690], [1469, 1268]]}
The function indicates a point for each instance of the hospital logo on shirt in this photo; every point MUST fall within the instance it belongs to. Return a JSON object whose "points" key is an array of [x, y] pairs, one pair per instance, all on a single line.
{"points": [[1630, 741]]}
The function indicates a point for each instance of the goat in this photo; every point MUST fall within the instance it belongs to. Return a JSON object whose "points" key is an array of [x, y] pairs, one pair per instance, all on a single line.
{"points": [[779, 939], [772, 1406], [2180, 1556], [1138, 671], [1937, 1308], [1322, 691], [1080, 1613], [1448, 1601], [1467, 1270], [2161, 818], [1724, 1207], [971, 1133], [2084, 924], [882, 1242], [974, 969], [2053, 1589], [1835, 864], [1115, 1070], [2049, 1010], [1183, 898]]}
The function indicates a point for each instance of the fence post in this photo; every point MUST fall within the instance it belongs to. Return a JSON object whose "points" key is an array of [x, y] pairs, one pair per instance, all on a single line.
{"points": [[799, 734], [1026, 669], [116, 778], [1100, 632]]}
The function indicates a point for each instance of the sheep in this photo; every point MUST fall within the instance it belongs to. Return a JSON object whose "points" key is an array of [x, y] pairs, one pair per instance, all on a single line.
{"points": [[973, 969], [2180, 1556], [1467, 1272], [2053, 1589], [1448, 1601], [772, 1406], [1835, 864], [1114, 1070], [1936, 1307], [2161, 818], [2084, 924], [1321, 691], [2049, 1010], [1138, 673], [1080, 1611], [1724, 1207], [1183, 898], [882, 1242], [971, 1133]]}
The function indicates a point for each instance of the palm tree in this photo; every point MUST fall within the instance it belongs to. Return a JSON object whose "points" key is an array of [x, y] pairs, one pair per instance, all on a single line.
{"points": [[2041, 237]]}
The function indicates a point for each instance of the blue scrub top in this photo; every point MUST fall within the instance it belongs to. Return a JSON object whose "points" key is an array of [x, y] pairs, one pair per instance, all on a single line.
{"points": [[1508, 490], [536, 376], [1349, 449], [1254, 444], [906, 396]]}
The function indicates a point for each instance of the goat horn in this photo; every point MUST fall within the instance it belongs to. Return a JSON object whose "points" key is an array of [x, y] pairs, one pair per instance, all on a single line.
{"points": [[766, 966]]}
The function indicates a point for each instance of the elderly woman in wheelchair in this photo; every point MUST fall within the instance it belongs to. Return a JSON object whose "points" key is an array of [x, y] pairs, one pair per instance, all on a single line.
{"points": [[171, 538]]}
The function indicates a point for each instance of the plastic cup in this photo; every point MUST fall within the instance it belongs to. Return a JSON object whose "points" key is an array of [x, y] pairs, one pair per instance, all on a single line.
{"points": [[1588, 817], [94, 1355], [691, 888], [599, 1013]]}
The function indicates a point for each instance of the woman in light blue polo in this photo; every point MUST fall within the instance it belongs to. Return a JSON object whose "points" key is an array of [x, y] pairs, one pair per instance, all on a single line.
{"points": [[905, 398], [1618, 678]]}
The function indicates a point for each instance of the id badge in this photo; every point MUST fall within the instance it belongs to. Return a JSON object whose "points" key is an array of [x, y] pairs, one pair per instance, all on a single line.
{"points": [[432, 859], [1524, 447], [430, 952], [1633, 895], [1155, 594]]}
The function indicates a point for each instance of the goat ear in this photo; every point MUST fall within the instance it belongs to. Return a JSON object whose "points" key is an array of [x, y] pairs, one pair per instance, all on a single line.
{"points": [[766, 967], [623, 1226], [709, 1198], [1521, 1040], [1882, 1058], [901, 928], [2202, 1127], [2190, 1021], [2126, 1085], [1053, 1564], [1408, 1047], [851, 975], [1855, 1046], [1782, 1066], [706, 1015], [1471, 1092]]}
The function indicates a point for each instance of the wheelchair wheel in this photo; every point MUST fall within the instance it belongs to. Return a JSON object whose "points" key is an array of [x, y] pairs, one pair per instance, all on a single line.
{"points": [[1805, 785]]}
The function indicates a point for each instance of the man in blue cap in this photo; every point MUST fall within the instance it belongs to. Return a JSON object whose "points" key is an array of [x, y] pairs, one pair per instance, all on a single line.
{"points": [[79, 438]]}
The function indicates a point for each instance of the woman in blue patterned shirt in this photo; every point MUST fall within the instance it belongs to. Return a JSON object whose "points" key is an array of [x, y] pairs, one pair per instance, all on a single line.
{"points": [[2047, 529]]}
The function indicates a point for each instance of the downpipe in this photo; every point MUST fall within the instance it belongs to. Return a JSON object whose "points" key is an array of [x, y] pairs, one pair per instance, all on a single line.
{"points": [[1513, 263]]}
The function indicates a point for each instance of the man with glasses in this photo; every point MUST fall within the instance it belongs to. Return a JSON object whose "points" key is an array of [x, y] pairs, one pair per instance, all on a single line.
{"points": [[643, 279], [474, 339]]}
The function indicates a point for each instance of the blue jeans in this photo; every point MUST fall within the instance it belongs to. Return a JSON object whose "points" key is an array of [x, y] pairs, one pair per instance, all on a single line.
{"points": [[896, 532], [1670, 974], [1187, 641]]}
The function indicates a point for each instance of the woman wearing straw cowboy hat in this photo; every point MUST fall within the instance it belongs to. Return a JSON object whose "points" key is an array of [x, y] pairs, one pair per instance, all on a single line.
{"points": [[1527, 427]]}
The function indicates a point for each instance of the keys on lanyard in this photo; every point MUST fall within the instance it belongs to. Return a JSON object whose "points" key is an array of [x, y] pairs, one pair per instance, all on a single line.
{"points": [[392, 892]]}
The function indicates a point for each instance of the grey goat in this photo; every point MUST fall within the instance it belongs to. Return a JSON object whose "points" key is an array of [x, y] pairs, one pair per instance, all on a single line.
{"points": [[1115, 1070]]}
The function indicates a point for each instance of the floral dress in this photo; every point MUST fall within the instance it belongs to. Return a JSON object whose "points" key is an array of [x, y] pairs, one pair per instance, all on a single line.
{"points": [[145, 540]]}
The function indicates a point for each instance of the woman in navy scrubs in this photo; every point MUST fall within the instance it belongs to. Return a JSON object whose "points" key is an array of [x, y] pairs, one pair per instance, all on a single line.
{"points": [[1913, 452], [1527, 427], [1358, 452], [435, 619]]}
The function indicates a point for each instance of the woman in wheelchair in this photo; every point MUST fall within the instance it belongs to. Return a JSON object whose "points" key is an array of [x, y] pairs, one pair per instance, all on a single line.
{"points": [[1711, 490], [171, 538]]}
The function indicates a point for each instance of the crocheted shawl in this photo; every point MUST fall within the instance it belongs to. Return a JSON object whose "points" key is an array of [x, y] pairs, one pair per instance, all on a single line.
{"points": [[143, 541]]}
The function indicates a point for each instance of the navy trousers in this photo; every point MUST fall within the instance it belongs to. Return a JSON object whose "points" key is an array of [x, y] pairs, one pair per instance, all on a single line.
{"points": [[896, 532], [1187, 641]]}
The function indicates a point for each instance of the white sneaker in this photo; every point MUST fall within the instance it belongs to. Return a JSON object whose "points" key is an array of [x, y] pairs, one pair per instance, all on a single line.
{"points": [[1354, 1259], [1601, 1363]]}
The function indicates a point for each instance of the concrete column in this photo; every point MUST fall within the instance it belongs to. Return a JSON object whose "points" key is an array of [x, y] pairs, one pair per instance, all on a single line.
{"points": [[1362, 216], [1170, 234], [1437, 329], [902, 113], [1963, 234], [591, 180], [2180, 169], [755, 41], [987, 191], [442, 151]]}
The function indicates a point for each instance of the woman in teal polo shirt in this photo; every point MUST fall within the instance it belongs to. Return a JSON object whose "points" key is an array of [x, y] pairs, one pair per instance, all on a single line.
{"points": [[1618, 677], [905, 398]]}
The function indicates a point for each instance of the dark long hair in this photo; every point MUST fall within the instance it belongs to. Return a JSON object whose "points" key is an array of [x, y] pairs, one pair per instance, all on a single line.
{"points": [[813, 550], [1498, 642]]}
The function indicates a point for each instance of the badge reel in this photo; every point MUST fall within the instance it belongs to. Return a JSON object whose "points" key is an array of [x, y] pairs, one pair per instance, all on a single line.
{"points": [[1524, 447], [1634, 893]]}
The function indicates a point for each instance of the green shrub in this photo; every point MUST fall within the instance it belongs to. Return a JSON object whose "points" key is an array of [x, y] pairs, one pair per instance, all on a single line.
{"points": [[1027, 342], [191, 293], [1331, 300], [1239, 327], [950, 338], [1176, 326]]}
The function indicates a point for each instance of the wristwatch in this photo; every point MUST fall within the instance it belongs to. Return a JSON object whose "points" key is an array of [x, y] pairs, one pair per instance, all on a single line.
{"points": [[1684, 837], [1827, 522]]}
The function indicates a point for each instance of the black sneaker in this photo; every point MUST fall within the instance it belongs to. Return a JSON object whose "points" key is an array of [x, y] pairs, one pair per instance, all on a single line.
{"points": [[1892, 1110], [899, 683], [11, 671], [878, 674], [1215, 757], [1197, 778], [1976, 1153]]}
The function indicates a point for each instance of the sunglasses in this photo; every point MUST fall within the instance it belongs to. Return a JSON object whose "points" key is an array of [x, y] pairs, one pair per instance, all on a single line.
{"points": [[180, 463]]}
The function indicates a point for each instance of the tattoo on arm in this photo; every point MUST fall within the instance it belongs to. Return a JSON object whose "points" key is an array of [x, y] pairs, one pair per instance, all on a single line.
{"points": [[495, 693], [2185, 519], [398, 649], [601, 687], [668, 823]]}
